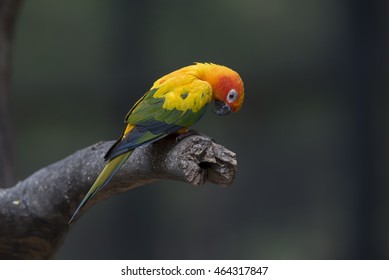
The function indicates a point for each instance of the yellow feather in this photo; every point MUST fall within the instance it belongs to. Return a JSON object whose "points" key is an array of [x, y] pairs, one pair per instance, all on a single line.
{"points": [[183, 91], [129, 127]]}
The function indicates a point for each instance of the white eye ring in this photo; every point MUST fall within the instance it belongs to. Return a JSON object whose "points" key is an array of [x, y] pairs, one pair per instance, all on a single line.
{"points": [[232, 96]]}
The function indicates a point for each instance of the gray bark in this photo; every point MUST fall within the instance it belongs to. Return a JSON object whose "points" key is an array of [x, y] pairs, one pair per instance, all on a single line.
{"points": [[34, 213]]}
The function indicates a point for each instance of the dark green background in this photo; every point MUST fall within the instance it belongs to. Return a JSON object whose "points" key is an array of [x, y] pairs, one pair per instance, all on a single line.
{"points": [[311, 139]]}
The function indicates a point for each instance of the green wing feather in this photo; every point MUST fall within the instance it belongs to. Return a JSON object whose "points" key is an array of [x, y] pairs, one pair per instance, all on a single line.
{"points": [[178, 104]]}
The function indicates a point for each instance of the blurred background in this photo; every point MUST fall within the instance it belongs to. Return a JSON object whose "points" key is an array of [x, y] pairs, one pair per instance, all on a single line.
{"points": [[311, 139]]}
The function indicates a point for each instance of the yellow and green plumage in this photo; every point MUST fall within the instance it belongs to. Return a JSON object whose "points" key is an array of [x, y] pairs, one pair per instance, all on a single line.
{"points": [[174, 102]]}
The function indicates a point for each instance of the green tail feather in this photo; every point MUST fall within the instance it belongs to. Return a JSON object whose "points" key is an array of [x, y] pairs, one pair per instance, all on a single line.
{"points": [[109, 170]]}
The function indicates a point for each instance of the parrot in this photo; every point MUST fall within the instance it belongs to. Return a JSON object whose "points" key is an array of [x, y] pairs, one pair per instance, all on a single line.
{"points": [[173, 104]]}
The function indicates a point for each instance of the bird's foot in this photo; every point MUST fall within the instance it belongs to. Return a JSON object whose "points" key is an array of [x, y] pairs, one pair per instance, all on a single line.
{"points": [[185, 132]]}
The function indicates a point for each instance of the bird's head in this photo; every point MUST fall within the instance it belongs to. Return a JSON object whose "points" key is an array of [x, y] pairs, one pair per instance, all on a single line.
{"points": [[227, 87]]}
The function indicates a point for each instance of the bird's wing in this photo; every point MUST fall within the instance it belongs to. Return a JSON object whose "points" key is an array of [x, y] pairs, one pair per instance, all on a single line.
{"points": [[178, 102]]}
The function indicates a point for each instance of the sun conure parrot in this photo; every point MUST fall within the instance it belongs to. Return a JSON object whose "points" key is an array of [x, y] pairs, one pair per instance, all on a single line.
{"points": [[174, 103]]}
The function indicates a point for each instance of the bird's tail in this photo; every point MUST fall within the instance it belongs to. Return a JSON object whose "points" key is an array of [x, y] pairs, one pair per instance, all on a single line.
{"points": [[109, 170]]}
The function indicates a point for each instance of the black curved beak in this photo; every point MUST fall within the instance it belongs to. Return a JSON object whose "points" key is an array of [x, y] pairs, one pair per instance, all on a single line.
{"points": [[221, 108]]}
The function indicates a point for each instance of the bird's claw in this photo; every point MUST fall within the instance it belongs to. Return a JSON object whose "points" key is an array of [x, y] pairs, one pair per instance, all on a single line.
{"points": [[191, 132]]}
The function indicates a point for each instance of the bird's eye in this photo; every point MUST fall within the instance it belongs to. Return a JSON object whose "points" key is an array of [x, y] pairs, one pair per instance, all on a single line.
{"points": [[232, 96]]}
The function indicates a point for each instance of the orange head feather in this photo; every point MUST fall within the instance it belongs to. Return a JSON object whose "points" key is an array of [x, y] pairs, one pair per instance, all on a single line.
{"points": [[228, 89]]}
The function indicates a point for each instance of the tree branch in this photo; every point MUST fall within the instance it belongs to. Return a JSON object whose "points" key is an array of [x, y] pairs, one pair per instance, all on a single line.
{"points": [[34, 214]]}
